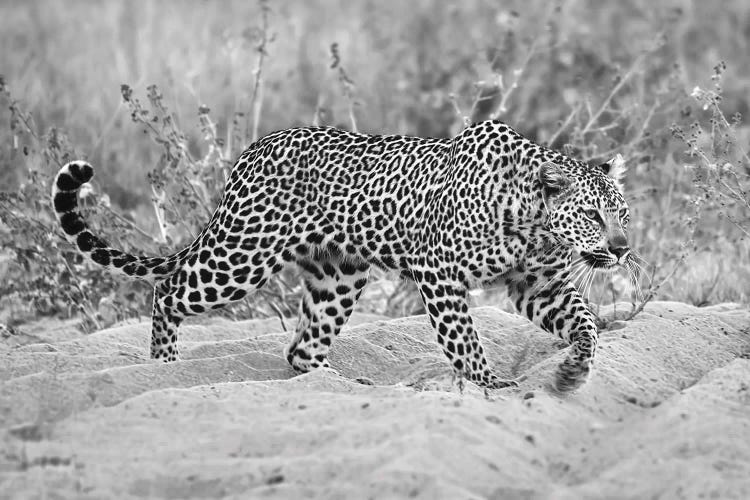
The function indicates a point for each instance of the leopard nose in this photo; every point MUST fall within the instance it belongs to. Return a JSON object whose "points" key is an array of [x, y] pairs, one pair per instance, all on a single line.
{"points": [[619, 251]]}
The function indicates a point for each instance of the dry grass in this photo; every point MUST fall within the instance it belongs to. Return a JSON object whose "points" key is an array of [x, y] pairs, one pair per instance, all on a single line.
{"points": [[591, 78]]}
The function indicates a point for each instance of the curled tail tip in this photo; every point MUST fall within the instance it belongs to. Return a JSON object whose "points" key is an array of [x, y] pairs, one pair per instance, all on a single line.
{"points": [[66, 185], [73, 175], [81, 170]]}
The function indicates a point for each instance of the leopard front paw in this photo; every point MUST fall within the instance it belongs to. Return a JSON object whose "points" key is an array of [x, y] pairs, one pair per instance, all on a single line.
{"points": [[572, 374]]}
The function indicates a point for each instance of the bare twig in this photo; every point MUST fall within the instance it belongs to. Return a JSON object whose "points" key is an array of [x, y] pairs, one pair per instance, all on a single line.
{"points": [[256, 99], [465, 119], [347, 84], [564, 125], [130, 224], [603, 107], [517, 74]]}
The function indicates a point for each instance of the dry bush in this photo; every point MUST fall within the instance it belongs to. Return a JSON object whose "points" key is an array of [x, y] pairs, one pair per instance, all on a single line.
{"points": [[589, 78]]}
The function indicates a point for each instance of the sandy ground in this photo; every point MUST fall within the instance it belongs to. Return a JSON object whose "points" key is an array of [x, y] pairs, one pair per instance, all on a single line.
{"points": [[666, 414]]}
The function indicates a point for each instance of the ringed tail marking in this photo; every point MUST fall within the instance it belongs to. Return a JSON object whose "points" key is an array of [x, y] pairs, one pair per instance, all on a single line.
{"points": [[65, 189]]}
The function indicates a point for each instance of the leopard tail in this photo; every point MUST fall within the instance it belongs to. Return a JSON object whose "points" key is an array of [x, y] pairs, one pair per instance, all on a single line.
{"points": [[65, 188]]}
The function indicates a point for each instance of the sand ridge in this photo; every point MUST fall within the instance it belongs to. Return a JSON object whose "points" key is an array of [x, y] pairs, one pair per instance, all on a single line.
{"points": [[666, 414]]}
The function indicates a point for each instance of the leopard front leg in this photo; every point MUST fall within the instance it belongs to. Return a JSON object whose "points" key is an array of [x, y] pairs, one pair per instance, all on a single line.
{"points": [[449, 315], [558, 308]]}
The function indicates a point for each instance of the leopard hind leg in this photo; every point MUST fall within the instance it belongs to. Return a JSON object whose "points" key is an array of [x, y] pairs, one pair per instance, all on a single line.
{"points": [[209, 279], [165, 322], [332, 285]]}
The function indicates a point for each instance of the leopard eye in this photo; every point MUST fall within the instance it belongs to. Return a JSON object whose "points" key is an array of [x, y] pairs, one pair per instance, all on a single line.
{"points": [[623, 213], [591, 213]]}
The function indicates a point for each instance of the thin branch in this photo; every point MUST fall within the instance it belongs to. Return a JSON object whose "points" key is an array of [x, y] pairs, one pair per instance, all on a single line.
{"points": [[256, 100], [595, 117], [517, 73], [130, 224], [565, 123]]}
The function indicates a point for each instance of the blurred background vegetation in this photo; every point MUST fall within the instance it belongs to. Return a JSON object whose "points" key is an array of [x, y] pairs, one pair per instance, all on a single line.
{"points": [[664, 83]]}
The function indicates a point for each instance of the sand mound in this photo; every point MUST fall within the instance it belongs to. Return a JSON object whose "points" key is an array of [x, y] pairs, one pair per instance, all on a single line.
{"points": [[667, 414]]}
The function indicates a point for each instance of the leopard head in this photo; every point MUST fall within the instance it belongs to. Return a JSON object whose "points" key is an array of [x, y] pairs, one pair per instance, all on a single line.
{"points": [[586, 210]]}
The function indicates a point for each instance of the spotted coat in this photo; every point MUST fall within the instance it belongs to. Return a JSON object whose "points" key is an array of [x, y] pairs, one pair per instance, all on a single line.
{"points": [[451, 214]]}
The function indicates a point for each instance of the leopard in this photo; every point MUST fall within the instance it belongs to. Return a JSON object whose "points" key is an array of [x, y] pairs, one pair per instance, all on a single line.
{"points": [[487, 207]]}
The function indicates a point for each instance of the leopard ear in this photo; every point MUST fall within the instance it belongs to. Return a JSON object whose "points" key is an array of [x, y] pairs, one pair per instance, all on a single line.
{"points": [[615, 168], [553, 179], [554, 183]]}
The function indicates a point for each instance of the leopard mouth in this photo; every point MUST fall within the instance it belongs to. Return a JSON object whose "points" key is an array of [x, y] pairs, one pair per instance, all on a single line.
{"points": [[600, 259]]}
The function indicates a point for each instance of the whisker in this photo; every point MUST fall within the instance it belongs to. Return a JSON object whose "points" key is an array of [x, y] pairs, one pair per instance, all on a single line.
{"points": [[638, 258], [634, 289], [556, 279], [637, 273], [578, 262], [552, 250], [553, 279], [638, 287], [590, 282], [541, 285], [585, 280], [640, 265], [577, 275], [639, 270], [635, 253]]}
